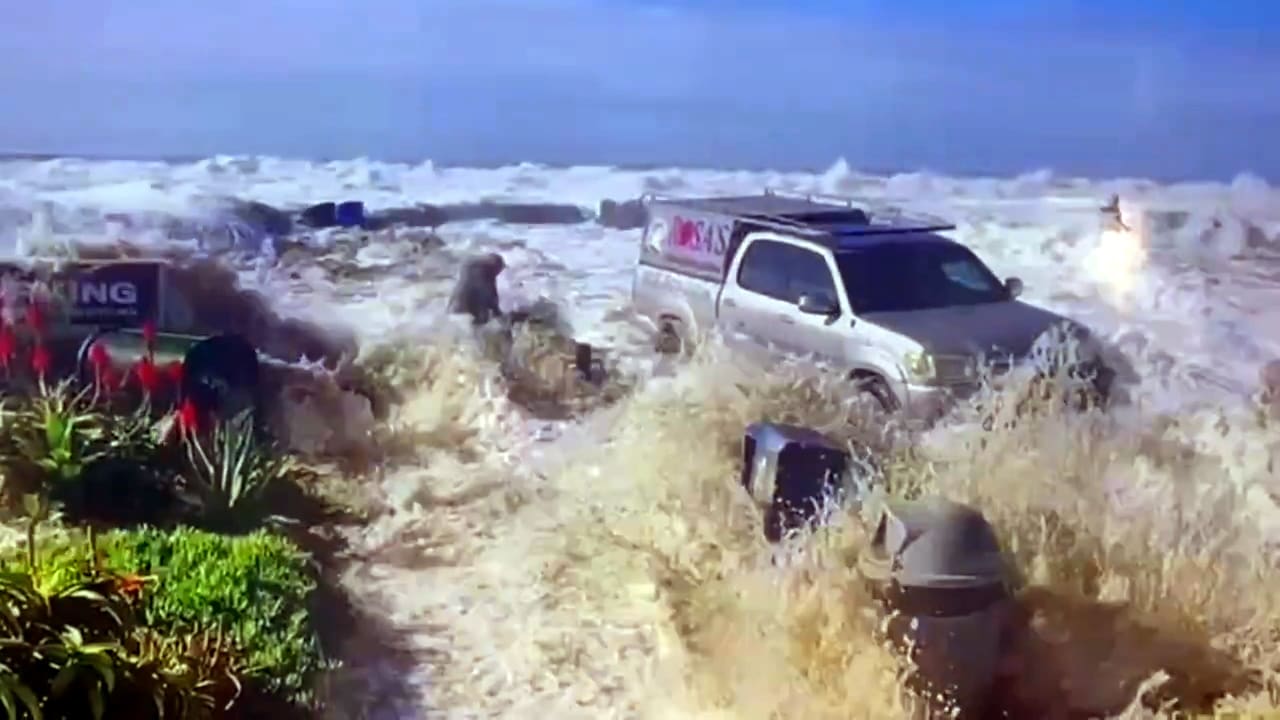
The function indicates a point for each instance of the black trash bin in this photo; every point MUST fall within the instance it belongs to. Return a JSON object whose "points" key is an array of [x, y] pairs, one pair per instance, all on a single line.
{"points": [[791, 472], [222, 376], [938, 569]]}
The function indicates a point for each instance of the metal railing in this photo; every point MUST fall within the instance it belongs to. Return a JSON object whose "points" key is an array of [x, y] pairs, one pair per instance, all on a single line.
{"points": [[775, 222], [886, 221]]}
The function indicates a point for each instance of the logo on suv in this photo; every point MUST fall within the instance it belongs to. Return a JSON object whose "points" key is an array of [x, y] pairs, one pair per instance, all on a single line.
{"points": [[657, 231]]}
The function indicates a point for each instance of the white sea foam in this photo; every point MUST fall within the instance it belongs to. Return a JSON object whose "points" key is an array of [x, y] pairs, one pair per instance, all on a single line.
{"points": [[1196, 273], [1190, 292]]}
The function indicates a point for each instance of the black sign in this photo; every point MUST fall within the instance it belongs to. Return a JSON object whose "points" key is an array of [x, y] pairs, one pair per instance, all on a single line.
{"points": [[114, 294]]}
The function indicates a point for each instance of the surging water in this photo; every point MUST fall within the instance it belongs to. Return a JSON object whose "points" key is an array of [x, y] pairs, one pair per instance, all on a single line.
{"points": [[609, 566], [629, 578]]}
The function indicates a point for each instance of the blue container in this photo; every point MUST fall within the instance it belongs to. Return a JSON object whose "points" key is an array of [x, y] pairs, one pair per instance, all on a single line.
{"points": [[350, 214]]}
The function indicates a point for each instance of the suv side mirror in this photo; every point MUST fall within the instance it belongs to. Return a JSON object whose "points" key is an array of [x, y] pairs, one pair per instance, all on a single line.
{"points": [[818, 305], [1013, 286]]}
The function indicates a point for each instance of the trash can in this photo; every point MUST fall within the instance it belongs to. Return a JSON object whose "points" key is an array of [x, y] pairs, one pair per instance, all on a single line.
{"points": [[791, 472], [936, 566], [588, 363]]}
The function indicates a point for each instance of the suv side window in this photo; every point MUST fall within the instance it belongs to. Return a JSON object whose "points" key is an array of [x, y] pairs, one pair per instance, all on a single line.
{"points": [[785, 272], [808, 274], [763, 270]]}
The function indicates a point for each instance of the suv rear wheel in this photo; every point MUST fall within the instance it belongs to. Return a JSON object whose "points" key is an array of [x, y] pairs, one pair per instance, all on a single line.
{"points": [[669, 341]]}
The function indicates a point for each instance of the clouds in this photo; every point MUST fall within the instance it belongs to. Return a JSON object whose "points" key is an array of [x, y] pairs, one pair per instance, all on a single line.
{"points": [[865, 78]]}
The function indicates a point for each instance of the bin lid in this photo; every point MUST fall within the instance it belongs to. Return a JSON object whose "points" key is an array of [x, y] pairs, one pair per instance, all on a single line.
{"points": [[932, 542], [774, 437]]}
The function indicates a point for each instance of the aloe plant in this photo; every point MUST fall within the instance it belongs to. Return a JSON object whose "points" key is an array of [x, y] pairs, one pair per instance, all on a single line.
{"points": [[201, 667], [136, 436], [60, 433], [230, 476]]}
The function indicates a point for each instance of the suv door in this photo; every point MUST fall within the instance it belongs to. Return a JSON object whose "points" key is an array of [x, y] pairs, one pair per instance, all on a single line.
{"points": [[811, 273], [748, 302], [772, 278]]}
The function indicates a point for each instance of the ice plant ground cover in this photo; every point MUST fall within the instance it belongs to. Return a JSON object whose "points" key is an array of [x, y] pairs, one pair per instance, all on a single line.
{"points": [[146, 582]]}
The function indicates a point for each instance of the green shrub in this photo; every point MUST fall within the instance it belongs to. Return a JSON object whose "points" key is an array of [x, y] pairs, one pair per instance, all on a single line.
{"points": [[74, 651], [255, 588]]}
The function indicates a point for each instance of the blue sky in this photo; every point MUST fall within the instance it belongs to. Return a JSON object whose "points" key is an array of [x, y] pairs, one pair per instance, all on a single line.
{"points": [[1187, 88]]}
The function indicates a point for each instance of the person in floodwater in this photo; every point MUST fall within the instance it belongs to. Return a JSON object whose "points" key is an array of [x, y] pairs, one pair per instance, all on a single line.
{"points": [[476, 293], [1114, 217]]}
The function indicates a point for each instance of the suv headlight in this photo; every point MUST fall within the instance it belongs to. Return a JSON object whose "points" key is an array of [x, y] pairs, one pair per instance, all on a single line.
{"points": [[919, 367]]}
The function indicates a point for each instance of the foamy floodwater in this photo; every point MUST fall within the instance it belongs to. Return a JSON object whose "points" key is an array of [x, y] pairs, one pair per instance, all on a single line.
{"points": [[606, 565]]}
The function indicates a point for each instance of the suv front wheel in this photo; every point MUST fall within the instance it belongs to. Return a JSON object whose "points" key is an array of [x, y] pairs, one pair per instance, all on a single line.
{"points": [[874, 387]]}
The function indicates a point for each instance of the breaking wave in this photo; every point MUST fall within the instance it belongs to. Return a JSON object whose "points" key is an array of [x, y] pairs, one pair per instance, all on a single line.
{"points": [[546, 545]]}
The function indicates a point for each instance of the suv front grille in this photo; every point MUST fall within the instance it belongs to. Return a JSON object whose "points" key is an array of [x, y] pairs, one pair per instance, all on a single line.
{"points": [[963, 369], [954, 369]]}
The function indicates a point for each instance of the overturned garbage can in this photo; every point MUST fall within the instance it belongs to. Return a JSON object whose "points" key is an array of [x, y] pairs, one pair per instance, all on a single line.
{"points": [[219, 373], [792, 472], [936, 566]]}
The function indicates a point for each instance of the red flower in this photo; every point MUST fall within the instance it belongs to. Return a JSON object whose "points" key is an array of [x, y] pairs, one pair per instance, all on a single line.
{"points": [[149, 335], [174, 370], [8, 345], [35, 317], [99, 357], [148, 375], [100, 362], [188, 417], [40, 360], [131, 585], [108, 379]]}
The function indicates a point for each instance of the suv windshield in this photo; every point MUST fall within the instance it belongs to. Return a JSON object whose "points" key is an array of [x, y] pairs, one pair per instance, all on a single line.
{"points": [[908, 275]]}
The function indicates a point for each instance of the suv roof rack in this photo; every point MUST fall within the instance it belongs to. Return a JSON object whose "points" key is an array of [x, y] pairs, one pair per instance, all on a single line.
{"points": [[811, 215], [815, 198], [890, 227]]}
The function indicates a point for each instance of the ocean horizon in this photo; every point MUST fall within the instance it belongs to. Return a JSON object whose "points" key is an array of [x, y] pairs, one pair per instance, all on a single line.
{"points": [[876, 170]]}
